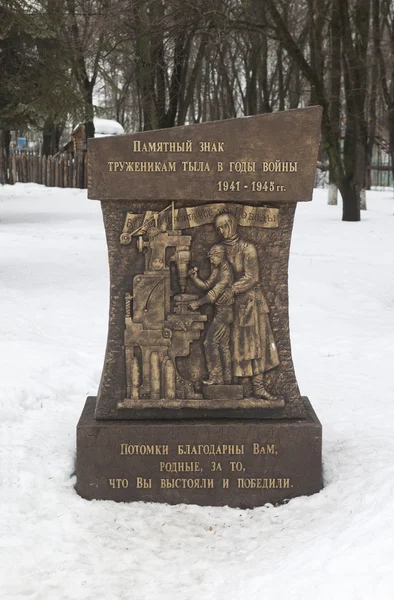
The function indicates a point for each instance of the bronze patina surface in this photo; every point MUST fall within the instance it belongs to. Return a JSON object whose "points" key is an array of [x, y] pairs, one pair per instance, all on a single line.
{"points": [[198, 221], [195, 161], [239, 463], [170, 340]]}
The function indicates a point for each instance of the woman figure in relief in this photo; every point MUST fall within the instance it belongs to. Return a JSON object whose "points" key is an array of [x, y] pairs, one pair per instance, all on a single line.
{"points": [[254, 348]]}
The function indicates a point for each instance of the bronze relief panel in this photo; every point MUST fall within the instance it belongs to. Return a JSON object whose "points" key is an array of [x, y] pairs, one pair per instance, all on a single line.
{"points": [[205, 310]]}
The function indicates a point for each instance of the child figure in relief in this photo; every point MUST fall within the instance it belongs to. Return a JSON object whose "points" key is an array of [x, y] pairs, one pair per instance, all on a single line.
{"points": [[217, 339]]}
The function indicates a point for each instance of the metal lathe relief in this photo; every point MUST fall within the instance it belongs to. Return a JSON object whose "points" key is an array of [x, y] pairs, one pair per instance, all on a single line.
{"points": [[172, 305]]}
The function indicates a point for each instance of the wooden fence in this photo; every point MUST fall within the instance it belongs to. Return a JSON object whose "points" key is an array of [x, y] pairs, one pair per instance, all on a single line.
{"points": [[62, 170]]}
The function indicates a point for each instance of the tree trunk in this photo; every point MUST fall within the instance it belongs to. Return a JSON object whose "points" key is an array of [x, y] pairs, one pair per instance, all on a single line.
{"points": [[48, 138], [58, 134], [332, 194], [281, 91], [351, 201], [355, 44], [178, 81], [372, 121], [197, 67], [265, 106], [335, 91], [5, 139], [363, 199], [3, 173], [89, 111], [251, 70], [390, 124]]}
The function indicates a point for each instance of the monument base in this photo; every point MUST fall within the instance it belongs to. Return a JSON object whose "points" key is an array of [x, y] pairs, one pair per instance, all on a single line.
{"points": [[239, 463]]}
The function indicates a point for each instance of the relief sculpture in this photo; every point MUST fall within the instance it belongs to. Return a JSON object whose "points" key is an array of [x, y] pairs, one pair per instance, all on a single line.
{"points": [[160, 324], [217, 338], [159, 327], [254, 348]]}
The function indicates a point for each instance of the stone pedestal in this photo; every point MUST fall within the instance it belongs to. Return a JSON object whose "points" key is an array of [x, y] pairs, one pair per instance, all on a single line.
{"points": [[234, 462]]}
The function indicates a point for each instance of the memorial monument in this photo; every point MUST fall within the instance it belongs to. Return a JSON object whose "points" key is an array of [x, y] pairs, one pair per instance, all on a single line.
{"points": [[198, 400]]}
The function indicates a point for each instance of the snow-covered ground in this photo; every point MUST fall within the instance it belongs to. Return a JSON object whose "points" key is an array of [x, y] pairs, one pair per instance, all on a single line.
{"points": [[56, 546]]}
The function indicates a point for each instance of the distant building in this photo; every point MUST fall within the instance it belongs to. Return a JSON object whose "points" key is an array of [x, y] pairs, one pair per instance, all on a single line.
{"points": [[102, 128]]}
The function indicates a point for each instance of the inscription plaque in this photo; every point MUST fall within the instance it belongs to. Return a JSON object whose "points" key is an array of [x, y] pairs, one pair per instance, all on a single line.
{"points": [[239, 463], [198, 222]]}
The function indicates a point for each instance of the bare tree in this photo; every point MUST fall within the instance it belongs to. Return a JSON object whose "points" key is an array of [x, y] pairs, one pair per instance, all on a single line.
{"points": [[383, 35], [88, 24]]}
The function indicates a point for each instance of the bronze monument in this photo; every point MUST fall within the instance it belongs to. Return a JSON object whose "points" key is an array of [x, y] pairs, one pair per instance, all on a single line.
{"points": [[198, 400]]}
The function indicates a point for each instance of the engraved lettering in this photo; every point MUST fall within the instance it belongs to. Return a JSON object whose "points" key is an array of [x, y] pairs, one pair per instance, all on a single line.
{"points": [[216, 466], [211, 146], [186, 484], [279, 166], [179, 467], [242, 167], [229, 186], [143, 449], [119, 483], [262, 483], [236, 466], [264, 449], [162, 146], [195, 167], [141, 482], [146, 167], [211, 449]]}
